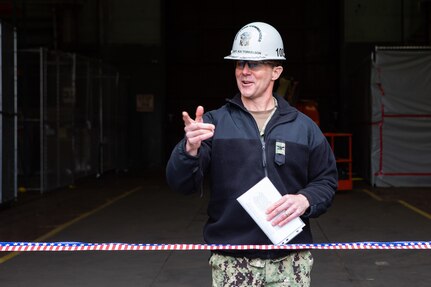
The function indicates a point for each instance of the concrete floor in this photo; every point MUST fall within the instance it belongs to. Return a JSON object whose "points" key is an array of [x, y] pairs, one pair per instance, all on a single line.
{"points": [[139, 208]]}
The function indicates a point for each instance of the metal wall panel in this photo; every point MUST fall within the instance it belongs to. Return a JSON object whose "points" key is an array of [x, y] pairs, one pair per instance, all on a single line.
{"points": [[71, 109], [8, 114]]}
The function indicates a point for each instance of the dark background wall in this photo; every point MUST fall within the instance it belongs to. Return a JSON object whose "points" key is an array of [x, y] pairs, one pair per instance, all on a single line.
{"points": [[198, 39], [173, 50]]}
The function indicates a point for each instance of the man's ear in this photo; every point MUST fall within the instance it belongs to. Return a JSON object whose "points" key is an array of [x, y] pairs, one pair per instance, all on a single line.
{"points": [[276, 72]]}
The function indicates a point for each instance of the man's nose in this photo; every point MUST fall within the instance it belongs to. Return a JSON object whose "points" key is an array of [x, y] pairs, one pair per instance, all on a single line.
{"points": [[246, 69]]}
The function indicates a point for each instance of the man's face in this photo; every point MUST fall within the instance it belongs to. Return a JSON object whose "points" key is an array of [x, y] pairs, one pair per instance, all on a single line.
{"points": [[255, 78]]}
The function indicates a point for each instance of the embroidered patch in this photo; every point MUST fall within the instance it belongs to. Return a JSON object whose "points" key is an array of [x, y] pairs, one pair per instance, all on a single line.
{"points": [[280, 148]]}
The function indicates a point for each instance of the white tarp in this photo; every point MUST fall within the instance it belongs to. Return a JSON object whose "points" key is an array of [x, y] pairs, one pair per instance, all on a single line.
{"points": [[401, 117]]}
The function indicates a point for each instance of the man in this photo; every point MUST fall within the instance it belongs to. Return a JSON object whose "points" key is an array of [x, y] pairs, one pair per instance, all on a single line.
{"points": [[255, 134]]}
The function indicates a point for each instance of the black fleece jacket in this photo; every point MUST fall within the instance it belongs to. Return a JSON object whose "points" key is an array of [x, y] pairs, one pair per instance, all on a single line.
{"points": [[237, 157]]}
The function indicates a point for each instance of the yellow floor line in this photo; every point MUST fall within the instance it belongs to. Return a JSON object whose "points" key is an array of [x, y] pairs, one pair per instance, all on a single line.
{"points": [[71, 222], [402, 202], [376, 197], [415, 209]]}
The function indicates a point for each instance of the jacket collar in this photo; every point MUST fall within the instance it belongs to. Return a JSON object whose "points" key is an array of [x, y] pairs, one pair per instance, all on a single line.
{"points": [[284, 108]]}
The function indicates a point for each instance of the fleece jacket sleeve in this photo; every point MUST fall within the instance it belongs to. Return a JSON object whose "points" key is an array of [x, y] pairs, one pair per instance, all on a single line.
{"points": [[323, 180], [184, 173]]}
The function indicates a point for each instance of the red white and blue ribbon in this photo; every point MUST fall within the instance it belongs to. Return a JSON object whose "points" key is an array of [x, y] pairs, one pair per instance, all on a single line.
{"points": [[80, 246]]}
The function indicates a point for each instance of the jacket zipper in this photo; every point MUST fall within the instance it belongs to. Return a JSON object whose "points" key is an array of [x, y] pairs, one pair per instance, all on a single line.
{"points": [[262, 140], [263, 144]]}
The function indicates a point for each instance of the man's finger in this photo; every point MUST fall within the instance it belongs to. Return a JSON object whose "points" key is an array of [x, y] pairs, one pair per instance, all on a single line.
{"points": [[274, 206], [199, 114], [187, 119]]}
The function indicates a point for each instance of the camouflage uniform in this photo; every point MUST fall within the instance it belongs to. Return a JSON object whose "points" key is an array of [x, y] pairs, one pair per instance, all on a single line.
{"points": [[293, 271]]}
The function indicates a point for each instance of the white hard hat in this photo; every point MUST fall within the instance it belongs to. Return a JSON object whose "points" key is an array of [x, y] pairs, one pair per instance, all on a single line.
{"points": [[257, 41]]}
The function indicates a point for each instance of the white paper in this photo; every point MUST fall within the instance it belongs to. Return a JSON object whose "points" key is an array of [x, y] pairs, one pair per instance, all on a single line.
{"points": [[256, 200]]}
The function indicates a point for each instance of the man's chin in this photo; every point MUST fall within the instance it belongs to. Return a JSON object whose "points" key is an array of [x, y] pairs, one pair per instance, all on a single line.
{"points": [[246, 93]]}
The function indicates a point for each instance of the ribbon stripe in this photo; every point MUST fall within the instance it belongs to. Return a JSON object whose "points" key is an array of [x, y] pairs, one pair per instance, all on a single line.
{"points": [[80, 246]]}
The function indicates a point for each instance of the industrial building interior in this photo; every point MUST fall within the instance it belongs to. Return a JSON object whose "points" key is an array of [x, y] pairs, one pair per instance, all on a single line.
{"points": [[91, 98]]}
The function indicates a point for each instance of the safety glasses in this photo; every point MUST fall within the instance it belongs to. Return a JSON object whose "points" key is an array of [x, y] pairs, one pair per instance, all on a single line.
{"points": [[253, 65]]}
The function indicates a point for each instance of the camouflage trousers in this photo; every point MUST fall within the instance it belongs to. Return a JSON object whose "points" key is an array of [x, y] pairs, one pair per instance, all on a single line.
{"points": [[293, 270]]}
